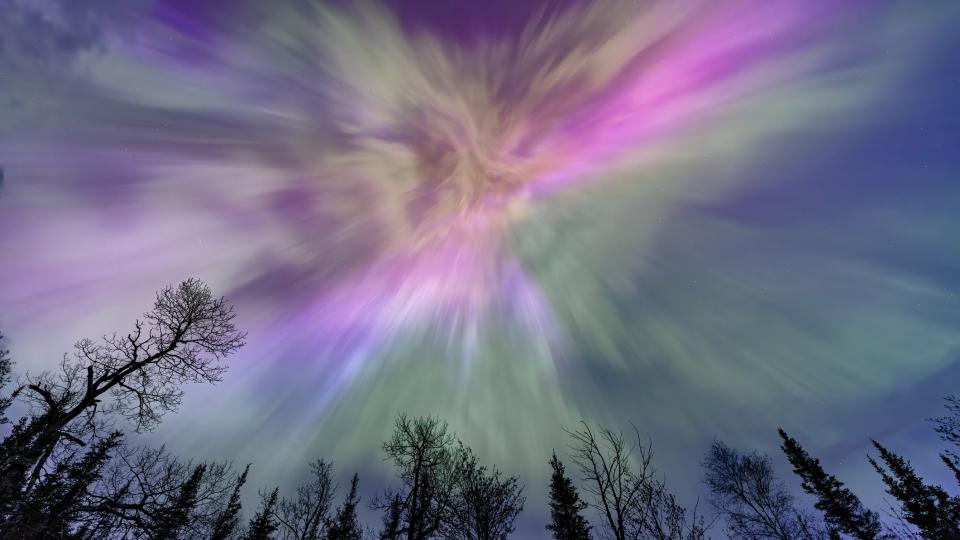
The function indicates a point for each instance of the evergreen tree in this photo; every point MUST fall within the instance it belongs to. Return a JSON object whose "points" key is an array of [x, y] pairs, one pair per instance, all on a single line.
{"points": [[227, 521], [6, 366], [949, 429], [345, 525], [929, 508], [263, 524], [566, 520], [51, 507], [171, 520], [841, 508]]}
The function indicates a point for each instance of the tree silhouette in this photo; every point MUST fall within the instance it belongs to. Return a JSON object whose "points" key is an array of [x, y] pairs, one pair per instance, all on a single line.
{"points": [[146, 490], [6, 367], [228, 519], [49, 510], [171, 520], [841, 508], [621, 478], [263, 524], [391, 519], [754, 502], [486, 505], [566, 507], [345, 525], [429, 463], [182, 339], [949, 429], [305, 517], [935, 513]]}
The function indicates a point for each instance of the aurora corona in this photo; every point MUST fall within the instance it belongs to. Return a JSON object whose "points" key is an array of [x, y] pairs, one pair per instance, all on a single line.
{"points": [[424, 215]]}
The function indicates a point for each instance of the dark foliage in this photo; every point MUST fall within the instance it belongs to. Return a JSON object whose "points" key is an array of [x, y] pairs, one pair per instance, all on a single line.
{"points": [[227, 520], [949, 429], [345, 526], [6, 368], [391, 518], [566, 507], [170, 521], [50, 509], [263, 524], [841, 508], [929, 508]]}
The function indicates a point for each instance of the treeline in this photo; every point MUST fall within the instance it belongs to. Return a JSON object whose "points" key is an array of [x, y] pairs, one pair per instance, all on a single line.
{"points": [[68, 471]]}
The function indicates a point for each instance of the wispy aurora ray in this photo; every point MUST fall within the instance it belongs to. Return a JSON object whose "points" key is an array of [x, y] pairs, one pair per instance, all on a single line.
{"points": [[514, 230]]}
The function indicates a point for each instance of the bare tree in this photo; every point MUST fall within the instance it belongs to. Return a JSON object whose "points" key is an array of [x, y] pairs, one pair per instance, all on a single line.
{"points": [[755, 503], [183, 339], [143, 486], [429, 460], [305, 517], [486, 504], [620, 477]]}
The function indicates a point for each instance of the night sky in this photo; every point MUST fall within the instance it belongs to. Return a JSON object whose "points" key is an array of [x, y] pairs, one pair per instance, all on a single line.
{"points": [[709, 219]]}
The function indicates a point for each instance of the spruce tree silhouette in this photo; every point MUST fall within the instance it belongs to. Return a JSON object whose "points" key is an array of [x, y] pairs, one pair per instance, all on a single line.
{"points": [[227, 521], [6, 367], [345, 525], [49, 510], [935, 513], [948, 427], [170, 521], [566, 507], [263, 524], [841, 508]]}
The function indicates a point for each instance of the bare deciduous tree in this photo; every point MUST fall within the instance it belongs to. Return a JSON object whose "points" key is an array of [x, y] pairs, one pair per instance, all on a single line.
{"points": [[429, 460], [754, 502], [634, 504], [183, 339], [486, 504], [142, 486], [305, 517]]}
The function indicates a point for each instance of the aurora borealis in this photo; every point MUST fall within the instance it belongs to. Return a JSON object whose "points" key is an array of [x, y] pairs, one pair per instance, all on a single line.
{"points": [[705, 218]]}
